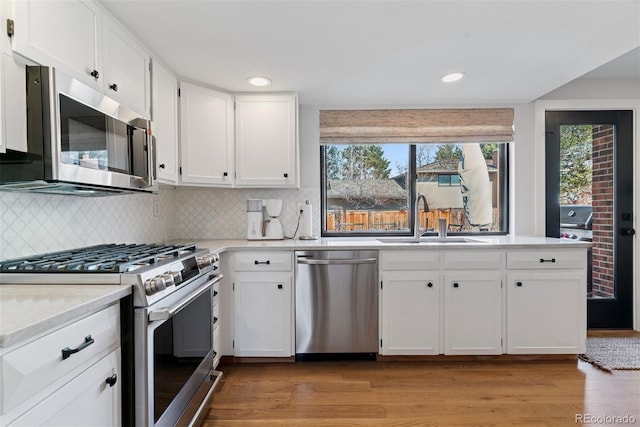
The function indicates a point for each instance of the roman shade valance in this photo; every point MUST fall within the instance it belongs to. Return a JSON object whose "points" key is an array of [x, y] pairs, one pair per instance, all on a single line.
{"points": [[416, 126]]}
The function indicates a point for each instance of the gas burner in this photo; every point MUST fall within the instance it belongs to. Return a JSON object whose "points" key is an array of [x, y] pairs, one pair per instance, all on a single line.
{"points": [[108, 258]]}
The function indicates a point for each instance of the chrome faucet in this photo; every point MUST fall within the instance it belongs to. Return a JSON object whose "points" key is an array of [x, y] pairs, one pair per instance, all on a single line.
{"points": [[416, 224]]}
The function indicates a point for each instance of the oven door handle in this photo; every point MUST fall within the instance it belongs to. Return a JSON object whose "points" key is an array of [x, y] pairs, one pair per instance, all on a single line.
{"points": [[165, 313]]}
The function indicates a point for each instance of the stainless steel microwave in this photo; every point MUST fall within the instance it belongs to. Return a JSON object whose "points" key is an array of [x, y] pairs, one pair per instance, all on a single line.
{"points": [[78, 142]]}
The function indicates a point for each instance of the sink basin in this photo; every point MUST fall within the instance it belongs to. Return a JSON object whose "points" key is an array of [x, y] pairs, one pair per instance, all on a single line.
{"points": [[430, 240]]}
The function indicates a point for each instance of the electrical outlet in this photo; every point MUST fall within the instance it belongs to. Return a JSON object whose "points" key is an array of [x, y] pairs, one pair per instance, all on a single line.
{"points": [[156, 208]]}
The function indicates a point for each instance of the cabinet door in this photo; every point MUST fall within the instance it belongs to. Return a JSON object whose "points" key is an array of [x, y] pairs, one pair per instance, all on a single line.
{"points": [[14, 104], [126, 69], [165, 122], [410, 312], [473, 312], [62, 34], [86, 400], [546, 312], [266, 141], [206, 136], [263, 309]]}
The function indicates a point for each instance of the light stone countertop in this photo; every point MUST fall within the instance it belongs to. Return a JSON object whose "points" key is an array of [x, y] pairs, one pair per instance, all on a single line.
{"points": [[28, 310], [351, 243]]}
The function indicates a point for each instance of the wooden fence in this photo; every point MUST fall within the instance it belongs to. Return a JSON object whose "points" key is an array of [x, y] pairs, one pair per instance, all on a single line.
{"points": [[347, 220]]}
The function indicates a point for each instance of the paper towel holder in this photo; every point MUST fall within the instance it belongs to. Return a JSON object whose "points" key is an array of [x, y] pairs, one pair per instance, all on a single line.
{"points": [[307, 221]]}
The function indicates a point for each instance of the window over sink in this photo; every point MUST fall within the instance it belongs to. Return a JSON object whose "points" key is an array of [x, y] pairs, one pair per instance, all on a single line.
{"points": [[370, 189]]}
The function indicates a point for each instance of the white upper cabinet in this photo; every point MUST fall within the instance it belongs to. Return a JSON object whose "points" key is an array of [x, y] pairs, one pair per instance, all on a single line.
{"points": [[62, 34], [126, 69], [164, 97], [266, 140], [81, 39], [206, 136]]}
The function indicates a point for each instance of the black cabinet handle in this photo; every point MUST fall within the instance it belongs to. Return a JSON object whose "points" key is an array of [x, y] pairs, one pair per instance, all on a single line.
{"points": [[66, 352], [113, 87], [518, 283], [224, 174], [286, 175], [215, 319], [95, 74], [547, 260], [456, 284], [267, 262], [430, 285], [161, 166], [279, 285], [215, 293], [112, 380]]}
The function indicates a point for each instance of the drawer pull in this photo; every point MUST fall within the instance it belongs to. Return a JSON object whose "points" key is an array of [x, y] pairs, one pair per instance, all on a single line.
{"points": [[267, 262], [66, 352], [547, 260], [112, 380]]}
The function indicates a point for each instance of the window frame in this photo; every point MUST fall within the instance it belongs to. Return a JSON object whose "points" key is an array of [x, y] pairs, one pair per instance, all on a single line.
{"points": [[411, 171]]}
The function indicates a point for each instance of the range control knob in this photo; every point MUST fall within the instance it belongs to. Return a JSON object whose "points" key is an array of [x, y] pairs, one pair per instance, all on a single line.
{"points": [[168, 279], [177, 277], [203, 262], [156, 284]]}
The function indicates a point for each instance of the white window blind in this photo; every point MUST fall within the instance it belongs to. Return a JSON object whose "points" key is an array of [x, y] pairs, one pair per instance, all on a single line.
{"points": [[416, 126]]}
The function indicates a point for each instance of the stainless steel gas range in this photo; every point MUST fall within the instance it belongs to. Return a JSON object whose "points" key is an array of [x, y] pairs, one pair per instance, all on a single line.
{"points": [[167, 323]]}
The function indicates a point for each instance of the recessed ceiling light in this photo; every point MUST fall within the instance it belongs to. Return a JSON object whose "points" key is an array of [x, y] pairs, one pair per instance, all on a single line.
{"points": [[453, 77], [259, 81]]}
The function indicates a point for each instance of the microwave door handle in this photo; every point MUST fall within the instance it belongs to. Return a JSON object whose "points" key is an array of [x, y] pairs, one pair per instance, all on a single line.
{"points": [[152, 159]]}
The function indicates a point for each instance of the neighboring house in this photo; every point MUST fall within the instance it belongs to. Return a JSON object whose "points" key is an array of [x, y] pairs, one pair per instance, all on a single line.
{"points": [[372, 194], [439, 182]]}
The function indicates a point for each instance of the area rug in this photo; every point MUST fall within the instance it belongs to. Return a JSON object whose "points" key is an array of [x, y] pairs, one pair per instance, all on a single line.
{"points": [[613, 353]]}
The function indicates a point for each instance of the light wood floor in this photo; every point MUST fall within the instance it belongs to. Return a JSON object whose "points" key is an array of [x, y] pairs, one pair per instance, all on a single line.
{"points": [[360, 393]]}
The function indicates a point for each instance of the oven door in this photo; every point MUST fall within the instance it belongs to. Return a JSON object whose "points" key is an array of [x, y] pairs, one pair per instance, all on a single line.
{"points": [[174, 354]]}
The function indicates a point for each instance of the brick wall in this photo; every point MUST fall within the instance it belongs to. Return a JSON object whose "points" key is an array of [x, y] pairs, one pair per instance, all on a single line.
{"points": [[603, 218]]}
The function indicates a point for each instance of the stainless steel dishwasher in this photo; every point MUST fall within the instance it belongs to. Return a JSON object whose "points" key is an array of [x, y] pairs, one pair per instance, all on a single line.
{"points": [[336, 304]]}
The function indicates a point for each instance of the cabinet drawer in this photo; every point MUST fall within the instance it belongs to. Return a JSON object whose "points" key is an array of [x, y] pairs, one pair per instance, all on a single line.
{"points": [[263, 261], [30, 368], [410, 260], [547, 259], [473, 260]]}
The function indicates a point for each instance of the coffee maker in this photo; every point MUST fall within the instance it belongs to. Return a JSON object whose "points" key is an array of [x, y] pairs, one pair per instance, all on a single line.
{"points": [[263, 222]]}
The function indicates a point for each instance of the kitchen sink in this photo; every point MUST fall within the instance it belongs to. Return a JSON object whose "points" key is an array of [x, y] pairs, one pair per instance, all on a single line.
{"points": [[430, 240]]}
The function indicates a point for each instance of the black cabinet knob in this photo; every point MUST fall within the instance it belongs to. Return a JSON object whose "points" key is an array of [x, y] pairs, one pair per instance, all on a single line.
{"points": [[112, 380], [518, 283], [286, 175], [430, 285], [224, 174], [161, 166], [113, 87], [95, 74], [456, 284], [280, 286]]}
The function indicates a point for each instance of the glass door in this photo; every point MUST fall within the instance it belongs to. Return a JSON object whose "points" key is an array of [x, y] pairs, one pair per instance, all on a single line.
{"points": [[589, 197]]}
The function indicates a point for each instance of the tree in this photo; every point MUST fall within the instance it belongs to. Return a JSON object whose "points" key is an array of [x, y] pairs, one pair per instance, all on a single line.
{"points": [[448, 152], [424, 154], [575, 164], [488, 149], [356, 162]]}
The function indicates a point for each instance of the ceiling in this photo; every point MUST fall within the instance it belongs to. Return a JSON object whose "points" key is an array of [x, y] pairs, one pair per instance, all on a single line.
{"points": [[390, 52]]}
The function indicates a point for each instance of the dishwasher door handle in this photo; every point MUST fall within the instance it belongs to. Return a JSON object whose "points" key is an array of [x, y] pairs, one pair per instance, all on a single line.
{"points": [[337, 261]]}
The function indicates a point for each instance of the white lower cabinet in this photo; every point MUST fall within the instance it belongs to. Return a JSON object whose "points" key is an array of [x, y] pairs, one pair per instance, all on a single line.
{"points": [[546, 302], [263, 314], [68, 376], [263, 304], [410, 312], [473, 312], [90, 399]]}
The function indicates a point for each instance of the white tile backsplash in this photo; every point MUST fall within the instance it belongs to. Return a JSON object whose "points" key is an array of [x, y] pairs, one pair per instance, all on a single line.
{"points": [[217, 213], [35, 223]]}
